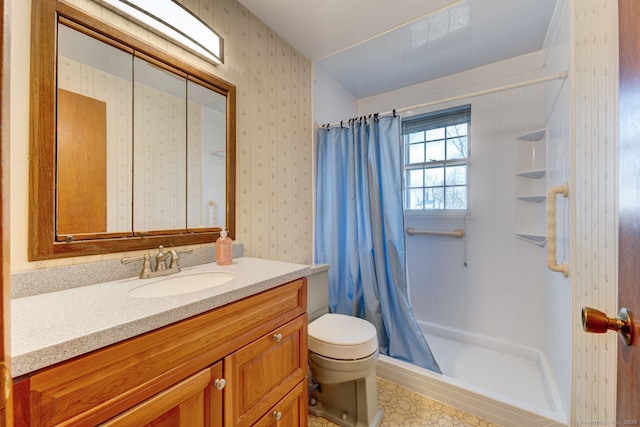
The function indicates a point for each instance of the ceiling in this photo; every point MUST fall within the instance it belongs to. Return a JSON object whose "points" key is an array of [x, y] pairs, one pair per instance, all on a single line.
{"points": [[372, 46]]}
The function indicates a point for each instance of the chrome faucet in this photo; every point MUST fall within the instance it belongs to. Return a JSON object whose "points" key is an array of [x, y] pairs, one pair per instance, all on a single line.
{"points": [[161, 258]]}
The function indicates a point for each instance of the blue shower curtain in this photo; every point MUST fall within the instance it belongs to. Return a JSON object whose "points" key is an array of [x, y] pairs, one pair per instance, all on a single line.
{"points": [[360, 232]]}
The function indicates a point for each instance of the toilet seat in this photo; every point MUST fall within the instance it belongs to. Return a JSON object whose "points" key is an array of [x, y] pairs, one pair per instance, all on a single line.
{"points": [[342, 337]]}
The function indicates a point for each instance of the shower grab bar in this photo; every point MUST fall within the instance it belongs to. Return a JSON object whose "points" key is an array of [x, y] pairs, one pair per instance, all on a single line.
{"points": [[458, 232], [552, 263]]}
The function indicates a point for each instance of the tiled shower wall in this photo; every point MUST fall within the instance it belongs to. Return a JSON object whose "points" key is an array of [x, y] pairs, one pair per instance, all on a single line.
{"points": [[274, 136], [558, 291], [489, 283]]}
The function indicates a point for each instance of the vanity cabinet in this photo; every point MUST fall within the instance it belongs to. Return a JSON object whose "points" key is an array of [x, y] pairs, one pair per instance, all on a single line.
{"points": [[237, 365]]}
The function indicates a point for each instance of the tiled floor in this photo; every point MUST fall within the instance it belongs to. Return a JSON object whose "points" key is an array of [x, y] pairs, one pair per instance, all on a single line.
{"points": [[405, 408]]}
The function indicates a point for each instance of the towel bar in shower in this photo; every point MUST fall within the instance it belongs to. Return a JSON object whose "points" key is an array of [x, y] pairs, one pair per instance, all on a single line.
{"points": [[552, 263], [458, 232]]}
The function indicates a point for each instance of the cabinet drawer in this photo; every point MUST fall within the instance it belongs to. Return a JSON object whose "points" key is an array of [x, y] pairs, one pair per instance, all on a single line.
{"points": [[259, 374], [290, 411]]}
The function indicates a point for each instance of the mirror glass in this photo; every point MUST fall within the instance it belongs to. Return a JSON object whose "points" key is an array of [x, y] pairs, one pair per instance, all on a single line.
{"points": [[140, 146], [159, 148], [95, 136], [207, 157], [130, 146]]}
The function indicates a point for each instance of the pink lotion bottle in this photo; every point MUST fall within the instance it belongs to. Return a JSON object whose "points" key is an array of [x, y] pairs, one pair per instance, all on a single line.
{"points": [[224, 248]]}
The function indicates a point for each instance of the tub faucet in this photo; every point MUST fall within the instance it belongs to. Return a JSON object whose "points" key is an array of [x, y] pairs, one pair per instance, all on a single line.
{"points": [[161, 258]]}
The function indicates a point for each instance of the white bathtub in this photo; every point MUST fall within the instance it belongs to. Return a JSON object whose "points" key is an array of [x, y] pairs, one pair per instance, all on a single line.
{"points": [[497, 381]]}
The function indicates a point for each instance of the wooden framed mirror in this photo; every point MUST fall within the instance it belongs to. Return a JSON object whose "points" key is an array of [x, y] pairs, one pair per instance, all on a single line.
{"points": [[130, 147]]}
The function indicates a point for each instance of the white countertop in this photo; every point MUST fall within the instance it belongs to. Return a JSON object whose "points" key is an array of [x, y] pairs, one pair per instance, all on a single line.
{"points": [[56, 326]]}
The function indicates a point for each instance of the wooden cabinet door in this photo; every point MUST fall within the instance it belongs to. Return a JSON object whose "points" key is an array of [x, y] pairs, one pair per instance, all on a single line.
{"points": [[291, 411], [193, 402], [259, 374], [216, 396]]}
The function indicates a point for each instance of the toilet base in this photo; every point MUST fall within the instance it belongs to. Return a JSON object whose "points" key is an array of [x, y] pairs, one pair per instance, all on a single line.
{"points": [[349, 404]]}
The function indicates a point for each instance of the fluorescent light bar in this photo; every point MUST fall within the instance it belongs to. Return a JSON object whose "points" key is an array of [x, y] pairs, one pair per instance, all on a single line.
{"points": [[172, 21]]}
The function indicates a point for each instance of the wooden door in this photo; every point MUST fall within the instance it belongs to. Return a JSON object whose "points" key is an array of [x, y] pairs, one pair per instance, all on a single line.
{"points": [[628, 395], [6, 405], [81, 164]]}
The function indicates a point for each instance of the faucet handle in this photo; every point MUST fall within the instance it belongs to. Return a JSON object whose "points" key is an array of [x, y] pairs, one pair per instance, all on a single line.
{"points": [[146, 265], [130, 259], [175, 257]]}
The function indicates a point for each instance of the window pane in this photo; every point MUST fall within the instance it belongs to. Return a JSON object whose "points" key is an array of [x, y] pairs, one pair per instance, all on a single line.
{"points": [[457, 148], [456, 175], [434, 198], [456, 198], [435, 151], [415, 178], [415, 198], [434, 177], [416, 153], [416, 137], [433, 134], [457, 130]]}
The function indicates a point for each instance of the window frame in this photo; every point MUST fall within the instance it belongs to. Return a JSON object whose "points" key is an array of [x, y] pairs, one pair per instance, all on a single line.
{"points": [[438, 119]]}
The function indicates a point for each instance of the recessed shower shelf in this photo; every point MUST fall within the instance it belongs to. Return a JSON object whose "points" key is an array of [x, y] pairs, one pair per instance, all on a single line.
{"points": [[530, 186], [533, 198], [535, 238], [536, 135], [533, 174]]}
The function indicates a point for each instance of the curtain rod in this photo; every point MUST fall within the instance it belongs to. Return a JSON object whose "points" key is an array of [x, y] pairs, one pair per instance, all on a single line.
{"points": [[560, 76]]}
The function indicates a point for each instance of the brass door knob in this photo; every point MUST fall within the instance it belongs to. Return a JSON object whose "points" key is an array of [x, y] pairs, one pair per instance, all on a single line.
{"points": [[597, 322]]}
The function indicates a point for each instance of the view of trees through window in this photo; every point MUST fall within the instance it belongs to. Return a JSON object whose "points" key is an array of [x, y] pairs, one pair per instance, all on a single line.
{"points": [[436, 152]]}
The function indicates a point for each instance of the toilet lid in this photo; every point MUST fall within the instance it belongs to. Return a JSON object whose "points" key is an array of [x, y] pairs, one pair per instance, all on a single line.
{"points": [[342, 337]]}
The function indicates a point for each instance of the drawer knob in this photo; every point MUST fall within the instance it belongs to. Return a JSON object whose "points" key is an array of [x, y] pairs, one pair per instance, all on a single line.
{"points": [[277, 337], [277, 415], [220, 383]]}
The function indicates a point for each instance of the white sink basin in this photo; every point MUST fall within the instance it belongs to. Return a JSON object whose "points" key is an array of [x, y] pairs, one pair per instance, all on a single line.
{"points": [[178, 285]]}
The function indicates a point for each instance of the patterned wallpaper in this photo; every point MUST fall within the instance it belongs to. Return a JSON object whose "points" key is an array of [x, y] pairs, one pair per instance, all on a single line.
{"points": [[274, 126], [159, 159], [595, 60]]}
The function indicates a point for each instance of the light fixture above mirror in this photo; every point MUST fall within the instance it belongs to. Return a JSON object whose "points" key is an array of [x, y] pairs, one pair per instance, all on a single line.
{"points": [[174, 22]]}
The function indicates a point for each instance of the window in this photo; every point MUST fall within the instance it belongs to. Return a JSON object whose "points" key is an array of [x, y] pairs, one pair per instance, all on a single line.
{"points": [[436, 154]]}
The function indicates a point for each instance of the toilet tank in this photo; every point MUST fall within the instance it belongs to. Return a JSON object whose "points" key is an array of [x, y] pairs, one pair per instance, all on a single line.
{"points": [[318, 291]]}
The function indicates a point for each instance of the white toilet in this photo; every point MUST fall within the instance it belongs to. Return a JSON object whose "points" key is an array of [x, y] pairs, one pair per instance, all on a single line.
{"points": [[343, 351]]}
